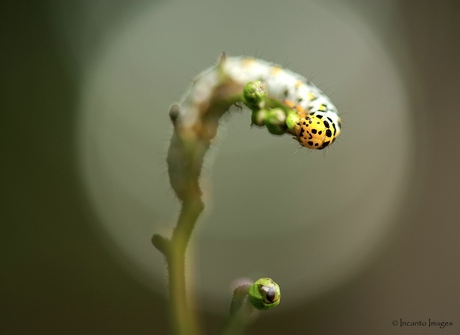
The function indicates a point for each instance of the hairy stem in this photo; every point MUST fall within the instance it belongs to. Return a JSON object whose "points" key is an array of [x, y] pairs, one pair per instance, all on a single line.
{"points": [[183, 318], [185, 160]]}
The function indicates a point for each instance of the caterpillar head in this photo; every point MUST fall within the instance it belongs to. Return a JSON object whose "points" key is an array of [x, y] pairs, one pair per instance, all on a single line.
{"points": [[317, 130]]}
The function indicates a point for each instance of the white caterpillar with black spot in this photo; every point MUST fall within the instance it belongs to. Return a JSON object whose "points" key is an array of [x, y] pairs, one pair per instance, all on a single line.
{"points": [[319, 123]]}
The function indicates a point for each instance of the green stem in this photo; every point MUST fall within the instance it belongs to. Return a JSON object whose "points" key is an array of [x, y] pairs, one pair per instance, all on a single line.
{"points": [[187, 155], [182, 317], [242, 312]]}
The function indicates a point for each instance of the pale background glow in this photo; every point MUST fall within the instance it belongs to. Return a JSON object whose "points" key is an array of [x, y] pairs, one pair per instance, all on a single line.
{"points": [[307, 219]]}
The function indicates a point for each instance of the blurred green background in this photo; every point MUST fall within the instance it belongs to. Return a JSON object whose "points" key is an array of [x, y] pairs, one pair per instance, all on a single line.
{"points": [[64, 272]]}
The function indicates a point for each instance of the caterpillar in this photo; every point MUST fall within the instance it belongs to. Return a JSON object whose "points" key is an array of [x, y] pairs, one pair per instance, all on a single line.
{"points": [[316, 125], [281, 100]]}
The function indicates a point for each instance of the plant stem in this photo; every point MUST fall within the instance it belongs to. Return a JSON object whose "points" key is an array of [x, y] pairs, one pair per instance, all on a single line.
{"points": [[182, 317], [185, 160], [242, 313]]}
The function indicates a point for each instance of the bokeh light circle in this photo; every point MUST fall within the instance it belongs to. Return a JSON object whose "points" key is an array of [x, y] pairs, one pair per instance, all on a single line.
{"points": [[307, 219]]}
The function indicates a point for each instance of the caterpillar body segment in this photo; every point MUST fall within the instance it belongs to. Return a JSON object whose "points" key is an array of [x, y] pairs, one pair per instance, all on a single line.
{"points": [[316, 125]]}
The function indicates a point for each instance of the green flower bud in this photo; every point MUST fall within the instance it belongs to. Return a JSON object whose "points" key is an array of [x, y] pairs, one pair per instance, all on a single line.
{"points": [[255, 93], [265, 294], [275, 121], [292, 120], [258, 117]]}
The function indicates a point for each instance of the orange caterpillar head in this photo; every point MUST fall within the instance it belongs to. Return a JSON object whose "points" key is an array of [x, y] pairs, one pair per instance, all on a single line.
{"points": [[317, 130]]}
